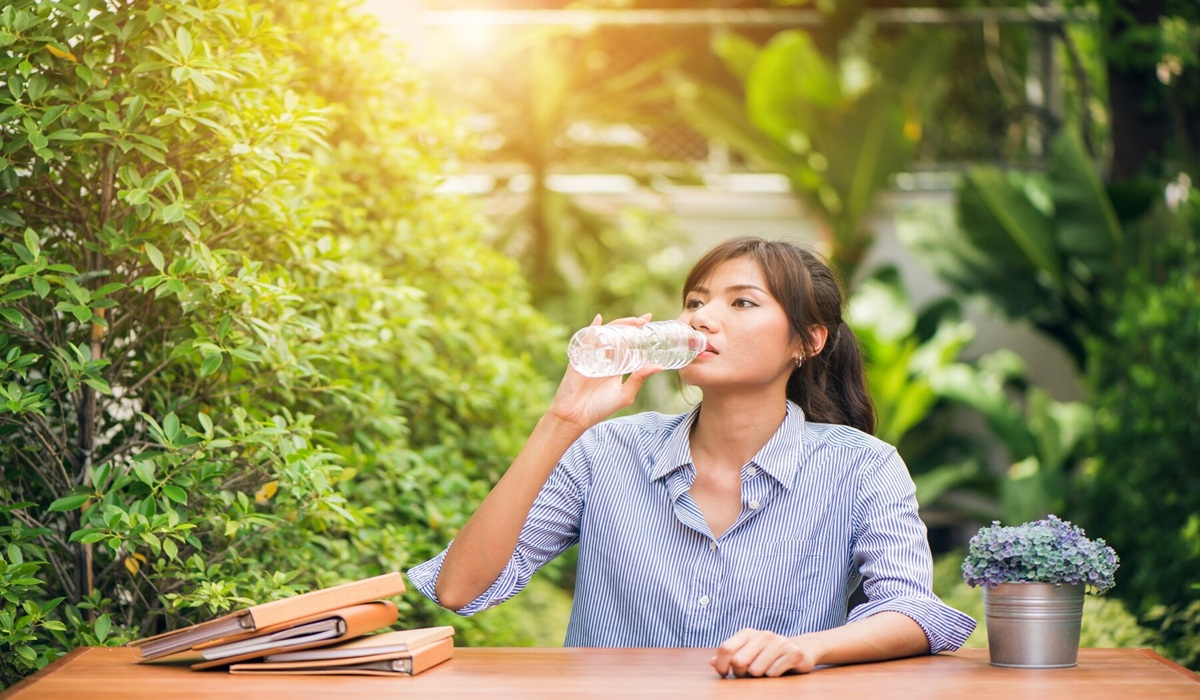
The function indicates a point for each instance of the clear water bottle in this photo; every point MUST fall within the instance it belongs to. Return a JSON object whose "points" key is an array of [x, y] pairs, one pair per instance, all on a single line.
{"points": [[615, 349]]}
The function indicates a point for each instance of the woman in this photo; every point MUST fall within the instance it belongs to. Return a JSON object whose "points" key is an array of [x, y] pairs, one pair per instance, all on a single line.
{"points": [[744, 524]]}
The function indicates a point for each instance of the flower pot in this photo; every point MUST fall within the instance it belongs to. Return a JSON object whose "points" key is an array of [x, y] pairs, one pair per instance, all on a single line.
{"points": [[1033, 625]]}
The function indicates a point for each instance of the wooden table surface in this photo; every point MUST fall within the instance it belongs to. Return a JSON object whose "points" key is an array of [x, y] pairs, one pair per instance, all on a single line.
{"points": [[101, 673]]}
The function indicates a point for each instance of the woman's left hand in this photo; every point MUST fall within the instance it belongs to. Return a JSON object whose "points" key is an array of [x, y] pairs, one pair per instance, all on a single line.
{"points": [[754, 653]]}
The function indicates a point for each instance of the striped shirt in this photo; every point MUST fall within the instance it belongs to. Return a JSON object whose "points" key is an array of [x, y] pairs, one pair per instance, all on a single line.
{"points": [[823, 506]]}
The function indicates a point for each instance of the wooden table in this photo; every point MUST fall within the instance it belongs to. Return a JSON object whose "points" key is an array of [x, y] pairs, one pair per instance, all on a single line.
{"points": [[101, 673]]}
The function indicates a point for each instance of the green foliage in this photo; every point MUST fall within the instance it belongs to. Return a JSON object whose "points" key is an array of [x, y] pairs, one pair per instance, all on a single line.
{"points": [[244, 348], [1040, 248], [1143, 489], [906, 351], [838, 130], [1043, 437], [552, 99]]}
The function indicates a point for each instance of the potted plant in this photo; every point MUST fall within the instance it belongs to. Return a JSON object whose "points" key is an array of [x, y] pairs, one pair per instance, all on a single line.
{"points": [[1034, 577]]}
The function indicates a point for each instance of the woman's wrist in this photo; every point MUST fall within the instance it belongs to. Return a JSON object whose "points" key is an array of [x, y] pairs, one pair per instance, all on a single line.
{"points": [[556, 428], [815, 646]]}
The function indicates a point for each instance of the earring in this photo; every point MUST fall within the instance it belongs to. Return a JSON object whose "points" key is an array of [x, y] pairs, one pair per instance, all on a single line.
{"points": [[799, 361]]}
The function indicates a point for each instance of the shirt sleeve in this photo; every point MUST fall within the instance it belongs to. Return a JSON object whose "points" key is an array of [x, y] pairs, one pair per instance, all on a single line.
{"points": [[550, 529], [892, 554]]}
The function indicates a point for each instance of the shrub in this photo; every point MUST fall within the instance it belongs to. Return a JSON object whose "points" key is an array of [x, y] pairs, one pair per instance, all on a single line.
{"points": [[1143, 488], [244, 348]]}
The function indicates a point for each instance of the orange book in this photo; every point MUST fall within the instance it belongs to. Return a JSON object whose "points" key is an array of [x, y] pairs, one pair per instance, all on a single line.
{"points": [[274, 614], [317, 630], [406, 662]]}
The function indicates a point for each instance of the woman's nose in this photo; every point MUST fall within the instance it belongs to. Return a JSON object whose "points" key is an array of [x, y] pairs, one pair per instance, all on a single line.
{"points": [[702, 318]]}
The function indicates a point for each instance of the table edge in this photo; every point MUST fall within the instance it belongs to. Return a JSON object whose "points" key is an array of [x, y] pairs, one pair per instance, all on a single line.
{"points": [[54, 666], [1178, 668]]}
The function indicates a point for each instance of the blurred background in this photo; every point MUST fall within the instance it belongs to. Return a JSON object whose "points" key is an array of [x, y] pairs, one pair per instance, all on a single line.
{"points": [[356, 236]]}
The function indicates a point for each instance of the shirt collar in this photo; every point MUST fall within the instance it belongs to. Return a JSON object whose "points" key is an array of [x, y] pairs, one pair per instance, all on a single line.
{"points": [[780, 457], [676, 451]]}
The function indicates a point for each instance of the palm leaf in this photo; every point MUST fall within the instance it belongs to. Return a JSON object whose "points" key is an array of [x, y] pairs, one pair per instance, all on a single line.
{"points": [[1087, 223]]}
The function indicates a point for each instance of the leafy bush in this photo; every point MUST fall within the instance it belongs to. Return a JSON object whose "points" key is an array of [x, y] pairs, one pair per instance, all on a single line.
{"points": [[1143, 488], [244, 348]]}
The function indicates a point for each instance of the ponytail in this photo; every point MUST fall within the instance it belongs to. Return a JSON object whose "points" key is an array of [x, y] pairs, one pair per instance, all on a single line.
{"points": [[831, 386]]}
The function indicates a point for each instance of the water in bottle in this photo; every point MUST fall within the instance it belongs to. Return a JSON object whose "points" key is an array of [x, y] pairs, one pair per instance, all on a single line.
{"points": [[615, 349]]}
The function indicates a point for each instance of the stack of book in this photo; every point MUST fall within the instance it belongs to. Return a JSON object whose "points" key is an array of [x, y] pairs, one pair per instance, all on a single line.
{"points": [[325, 632]]}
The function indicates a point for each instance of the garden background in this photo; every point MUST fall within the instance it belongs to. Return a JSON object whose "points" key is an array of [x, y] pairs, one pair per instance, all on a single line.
{"points": [[284, 285]]}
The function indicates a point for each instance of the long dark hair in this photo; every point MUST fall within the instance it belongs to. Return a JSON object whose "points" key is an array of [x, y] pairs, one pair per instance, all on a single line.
{"points": [[830, 385]]}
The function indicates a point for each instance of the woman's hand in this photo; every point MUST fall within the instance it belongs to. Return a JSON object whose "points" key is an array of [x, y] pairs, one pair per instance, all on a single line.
{"points": [[752, 652], [585, 401]]}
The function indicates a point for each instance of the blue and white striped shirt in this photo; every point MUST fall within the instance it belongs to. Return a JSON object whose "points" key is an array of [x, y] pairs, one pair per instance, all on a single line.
{"points": [[823, 506]]}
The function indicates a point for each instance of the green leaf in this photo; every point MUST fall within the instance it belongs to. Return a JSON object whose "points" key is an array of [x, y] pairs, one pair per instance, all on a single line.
{"points": [[156, 256], [32, 242], [10, 217], [210, 364], [107, 289], [102, 626], [737, 52], [69, 502], [175, 494], [144, 470], [99, 385], [789, 80], [40, 285], [170, 426], [172, 213], [183, 38], [1003, 221], [1086, 221], [81, 312], [12, 316]]}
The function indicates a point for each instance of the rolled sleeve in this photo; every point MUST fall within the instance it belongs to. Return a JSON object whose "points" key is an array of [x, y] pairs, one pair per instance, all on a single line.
{"points": [[892, 554], [551, 527], [509, 583]]}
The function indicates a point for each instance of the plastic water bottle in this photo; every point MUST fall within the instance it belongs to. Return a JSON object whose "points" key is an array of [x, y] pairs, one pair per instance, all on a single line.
{"points": [[615, 349]]}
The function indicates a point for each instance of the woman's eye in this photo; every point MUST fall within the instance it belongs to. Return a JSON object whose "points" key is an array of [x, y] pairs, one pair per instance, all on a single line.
{"points": [[691, 304], [744, 303]]}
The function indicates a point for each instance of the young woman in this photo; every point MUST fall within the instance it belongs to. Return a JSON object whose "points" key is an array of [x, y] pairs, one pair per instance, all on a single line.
{"points": [[742, 525]]}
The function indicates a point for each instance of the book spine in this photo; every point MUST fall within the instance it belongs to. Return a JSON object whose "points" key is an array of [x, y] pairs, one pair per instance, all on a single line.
{"points": [[326, 599]]}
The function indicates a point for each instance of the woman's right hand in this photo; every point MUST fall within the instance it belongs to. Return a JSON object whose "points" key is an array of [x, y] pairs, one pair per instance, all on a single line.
{"points": [[585, 401]]}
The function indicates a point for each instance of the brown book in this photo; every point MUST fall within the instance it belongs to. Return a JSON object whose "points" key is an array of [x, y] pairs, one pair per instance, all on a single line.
{"points": [[276, 613], [385, 642], [317, 630], [410, 662]]}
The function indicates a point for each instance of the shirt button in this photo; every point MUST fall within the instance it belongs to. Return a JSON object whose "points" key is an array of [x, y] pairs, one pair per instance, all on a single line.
{"points": [[753, 505], [712, 545], [703, 600], [751, 471]]}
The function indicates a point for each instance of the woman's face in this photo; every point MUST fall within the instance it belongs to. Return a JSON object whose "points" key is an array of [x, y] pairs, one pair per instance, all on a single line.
{"points": [[750, 344]]}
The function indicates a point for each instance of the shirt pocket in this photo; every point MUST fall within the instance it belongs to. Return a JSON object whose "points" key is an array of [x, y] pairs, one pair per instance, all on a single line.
{"points": [[783, 574]]}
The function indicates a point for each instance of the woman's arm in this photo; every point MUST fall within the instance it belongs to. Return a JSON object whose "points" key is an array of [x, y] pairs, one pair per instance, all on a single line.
{"points": [[887, 635], [486, 543]]}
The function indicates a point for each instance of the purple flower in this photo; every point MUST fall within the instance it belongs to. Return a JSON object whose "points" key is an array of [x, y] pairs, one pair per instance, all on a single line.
{"points": [[1043, 551]]}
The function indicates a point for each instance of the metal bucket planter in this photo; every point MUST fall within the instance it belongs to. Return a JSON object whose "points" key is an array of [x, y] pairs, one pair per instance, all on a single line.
{"points": [[1033, 625]]}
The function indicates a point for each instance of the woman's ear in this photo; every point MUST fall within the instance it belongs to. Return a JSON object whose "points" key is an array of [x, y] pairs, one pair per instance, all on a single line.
{"points": [[817, 335]]}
